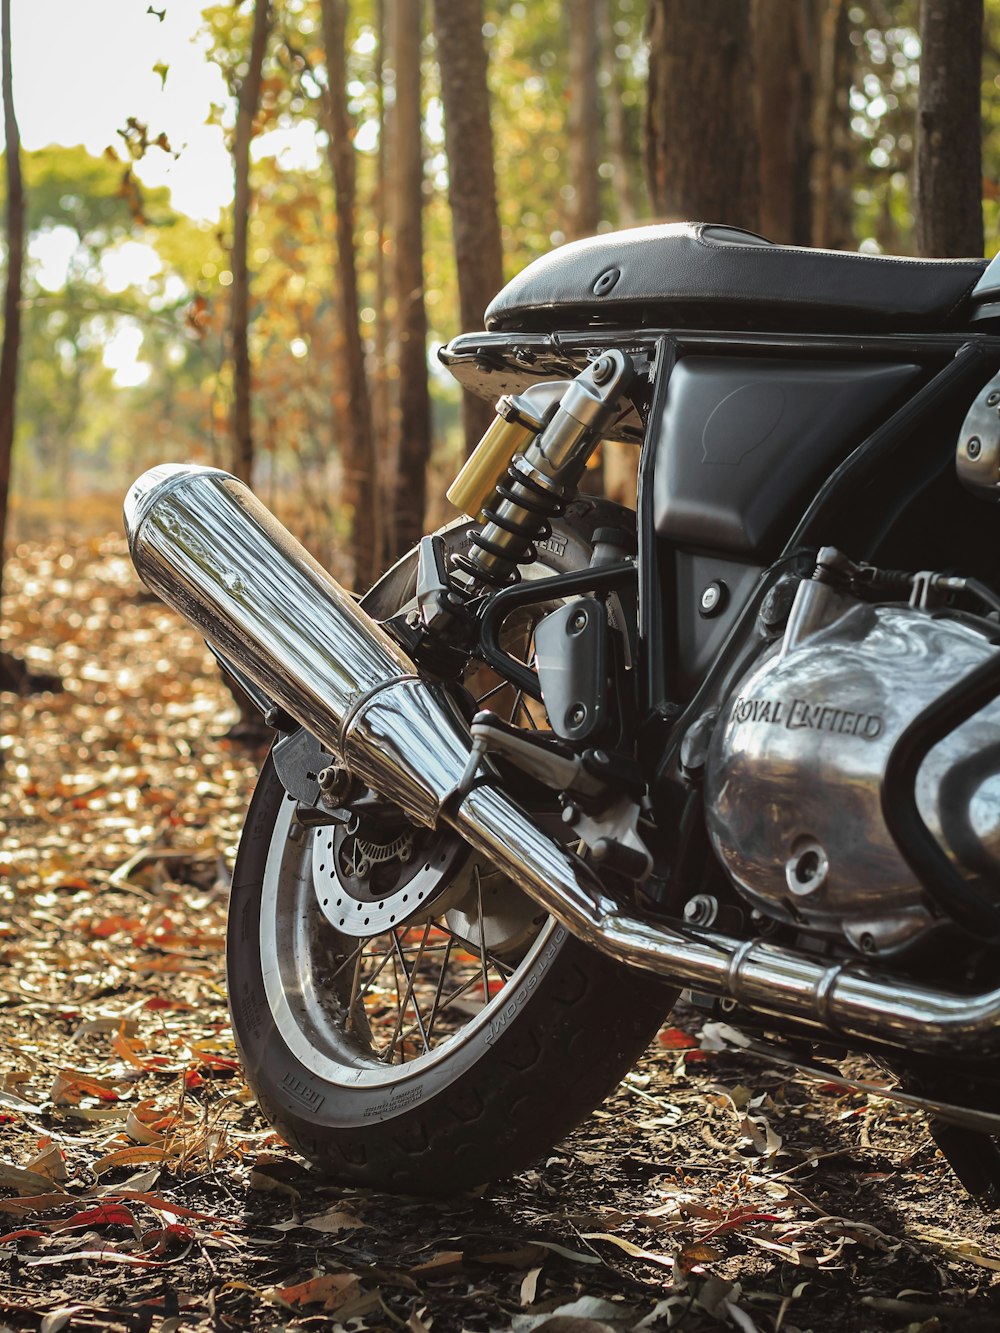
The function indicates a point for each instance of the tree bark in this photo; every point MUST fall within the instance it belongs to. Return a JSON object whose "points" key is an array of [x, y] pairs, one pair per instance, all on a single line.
{"points": [[357, 447], [381, 417], [9, 354], [458, 28], [619, 147], [782, 94], [413, 409], [701, 144], [247, 101], [834, 151], [584, 120], [949, 209]]}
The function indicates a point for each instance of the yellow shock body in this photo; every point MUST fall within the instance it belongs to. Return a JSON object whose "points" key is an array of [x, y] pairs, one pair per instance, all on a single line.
{"points": [[512, 429]]}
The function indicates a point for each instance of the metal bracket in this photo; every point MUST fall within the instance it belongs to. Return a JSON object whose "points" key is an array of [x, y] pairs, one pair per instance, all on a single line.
{"points": [[547, 761]]}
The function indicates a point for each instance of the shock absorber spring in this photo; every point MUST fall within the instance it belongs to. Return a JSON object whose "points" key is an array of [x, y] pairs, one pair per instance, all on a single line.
{"points": [[523, 504], [542, 479]]}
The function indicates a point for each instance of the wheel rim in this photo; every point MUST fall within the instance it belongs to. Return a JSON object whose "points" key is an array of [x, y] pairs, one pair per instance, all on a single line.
{"points": [[382, 1011], [372, 1010]]}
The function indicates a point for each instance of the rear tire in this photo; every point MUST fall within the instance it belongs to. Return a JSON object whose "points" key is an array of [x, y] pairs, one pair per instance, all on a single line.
{"points": [[556, 1028]]}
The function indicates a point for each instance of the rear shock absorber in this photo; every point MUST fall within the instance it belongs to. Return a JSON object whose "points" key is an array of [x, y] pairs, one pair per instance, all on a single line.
{"points": [[543, 478]]}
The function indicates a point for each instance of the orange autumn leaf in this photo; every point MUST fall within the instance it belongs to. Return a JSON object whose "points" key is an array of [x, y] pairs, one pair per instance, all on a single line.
{"points": [[329, 1290], [70, 1087], [675, 1039], [104, 1214], [128, 1157]]}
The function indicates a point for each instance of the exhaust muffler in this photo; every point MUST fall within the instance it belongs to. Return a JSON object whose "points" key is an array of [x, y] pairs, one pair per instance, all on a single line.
{"points": [[201, 540]]}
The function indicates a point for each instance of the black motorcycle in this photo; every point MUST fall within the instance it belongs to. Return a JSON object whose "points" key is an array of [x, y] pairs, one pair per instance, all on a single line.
{"points": [[565, 759]]}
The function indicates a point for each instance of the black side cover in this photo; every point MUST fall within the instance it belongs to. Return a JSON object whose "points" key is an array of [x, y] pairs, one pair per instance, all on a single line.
{"points": [[744, 444]]}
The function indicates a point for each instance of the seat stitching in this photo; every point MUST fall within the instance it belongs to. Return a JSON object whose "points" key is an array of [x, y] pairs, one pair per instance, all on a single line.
{"points": [[904, 262]]}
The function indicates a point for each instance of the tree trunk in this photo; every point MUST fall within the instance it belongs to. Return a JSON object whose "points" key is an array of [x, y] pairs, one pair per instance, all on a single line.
{"points": [[247, 100], [413, 409], [584, 120], [701, 145], [15, 267], [834, 150], [949, 208], [458, 28], [357, 449], [381, 415], [619, 148], [782, 93]]}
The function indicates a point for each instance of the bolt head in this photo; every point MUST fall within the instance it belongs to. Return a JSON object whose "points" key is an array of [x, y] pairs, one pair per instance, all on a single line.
{"points": [[974, 447], [712, 598], [603, 369]]}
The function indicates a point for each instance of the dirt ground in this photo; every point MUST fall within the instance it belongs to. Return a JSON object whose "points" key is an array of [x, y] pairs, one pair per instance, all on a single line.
{"points": [[140, 1188]]}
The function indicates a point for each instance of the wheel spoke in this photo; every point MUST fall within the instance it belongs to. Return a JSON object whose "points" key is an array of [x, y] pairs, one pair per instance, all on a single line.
{"points": [[386, 957], [490, 693], [440, 986], [354, 988], [409, 997], [466, 985], [482, 936], [525, 711], [351, 958]]}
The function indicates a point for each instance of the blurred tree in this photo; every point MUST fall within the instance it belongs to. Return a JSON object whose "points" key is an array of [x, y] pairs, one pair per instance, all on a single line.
{"points": [[701, 142], [783, 45], [624, 168], [583, 121], [949, 215], [357, 447], [458, 29], [412, 411], [248, 97], [9, 353], [832, 169]]}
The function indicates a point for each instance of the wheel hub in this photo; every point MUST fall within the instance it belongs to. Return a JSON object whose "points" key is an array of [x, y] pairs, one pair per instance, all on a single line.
{"points": [[369, 880]]}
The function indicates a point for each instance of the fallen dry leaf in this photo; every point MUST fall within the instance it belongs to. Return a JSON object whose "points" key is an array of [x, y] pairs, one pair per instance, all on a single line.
{"points": [[331, 1290]]}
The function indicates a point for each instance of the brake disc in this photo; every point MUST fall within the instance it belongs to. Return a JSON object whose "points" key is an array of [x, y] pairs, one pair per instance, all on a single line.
{"points": [[369, 884]]}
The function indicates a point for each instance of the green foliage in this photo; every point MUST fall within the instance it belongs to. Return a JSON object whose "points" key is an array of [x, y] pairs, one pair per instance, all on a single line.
{"points": [[76, 416], [883, 109]]}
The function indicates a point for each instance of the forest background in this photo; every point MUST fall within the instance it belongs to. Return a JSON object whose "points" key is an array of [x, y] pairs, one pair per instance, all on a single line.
{"points": [[440, 148]]}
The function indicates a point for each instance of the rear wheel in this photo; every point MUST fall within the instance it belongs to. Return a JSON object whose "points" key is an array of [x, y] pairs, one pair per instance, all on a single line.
{"points": [[407, 1017]]}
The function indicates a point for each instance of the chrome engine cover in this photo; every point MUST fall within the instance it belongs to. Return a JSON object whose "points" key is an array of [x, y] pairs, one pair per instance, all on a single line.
{"points": [[796, 764]]}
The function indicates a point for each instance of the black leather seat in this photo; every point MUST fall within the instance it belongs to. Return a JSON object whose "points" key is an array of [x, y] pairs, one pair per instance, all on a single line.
{"points": [[694, 274]]}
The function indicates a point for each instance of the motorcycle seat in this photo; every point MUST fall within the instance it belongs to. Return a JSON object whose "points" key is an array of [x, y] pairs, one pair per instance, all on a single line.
{"points": [[697, 274]]}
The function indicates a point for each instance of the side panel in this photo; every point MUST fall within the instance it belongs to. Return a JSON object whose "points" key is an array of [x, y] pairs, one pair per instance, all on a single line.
{"points": [[744, 443]]}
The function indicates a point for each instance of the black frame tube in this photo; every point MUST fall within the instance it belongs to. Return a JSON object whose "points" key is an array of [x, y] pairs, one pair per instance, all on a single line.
{"points": [[606, 578]]}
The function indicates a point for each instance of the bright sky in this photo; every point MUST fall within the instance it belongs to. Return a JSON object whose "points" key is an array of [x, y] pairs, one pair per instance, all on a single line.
{"points": [[81, 69]]}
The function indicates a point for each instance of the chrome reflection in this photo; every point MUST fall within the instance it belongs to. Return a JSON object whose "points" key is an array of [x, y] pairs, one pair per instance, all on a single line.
{"points": [[202, 541]]}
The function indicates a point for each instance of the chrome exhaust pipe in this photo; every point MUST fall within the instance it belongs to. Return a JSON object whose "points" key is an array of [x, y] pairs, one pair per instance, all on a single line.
{"points": [[202, 541]]}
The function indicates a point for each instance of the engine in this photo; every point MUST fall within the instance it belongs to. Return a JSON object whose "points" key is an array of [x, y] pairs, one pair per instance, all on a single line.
{"points": [[795, 769]]}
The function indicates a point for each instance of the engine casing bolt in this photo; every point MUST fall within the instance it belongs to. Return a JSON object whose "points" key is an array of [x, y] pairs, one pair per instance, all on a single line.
{"points": [[974, 448]]}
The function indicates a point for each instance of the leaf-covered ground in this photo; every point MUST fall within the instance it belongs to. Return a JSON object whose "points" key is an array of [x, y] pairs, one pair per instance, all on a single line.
{"points": [[140, 1189]]}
